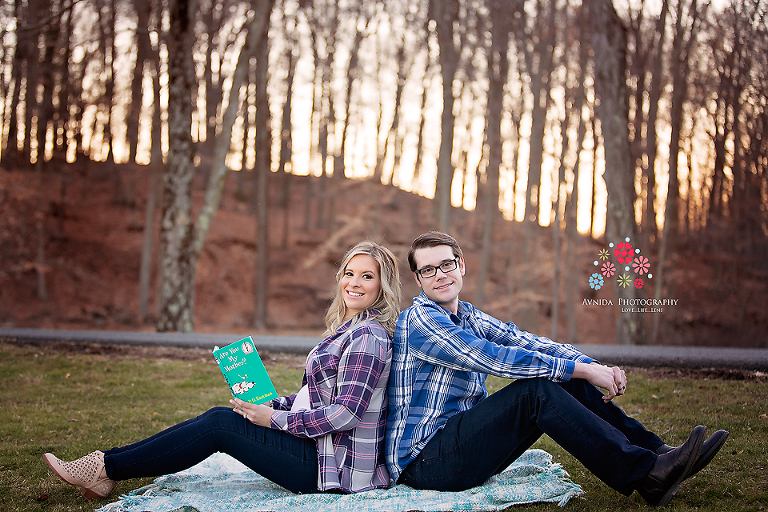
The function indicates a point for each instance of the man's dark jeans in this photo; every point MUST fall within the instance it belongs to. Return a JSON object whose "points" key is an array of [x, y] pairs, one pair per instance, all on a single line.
{"points": [[285, 459], [483, 441]]}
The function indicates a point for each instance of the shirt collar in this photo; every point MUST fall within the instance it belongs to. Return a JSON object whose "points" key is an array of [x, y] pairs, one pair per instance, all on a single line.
{"points": [[359, 318], [423, 300]]}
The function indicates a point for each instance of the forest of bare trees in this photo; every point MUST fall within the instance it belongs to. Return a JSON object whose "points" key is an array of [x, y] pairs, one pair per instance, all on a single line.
{"points": [[607, 119]]}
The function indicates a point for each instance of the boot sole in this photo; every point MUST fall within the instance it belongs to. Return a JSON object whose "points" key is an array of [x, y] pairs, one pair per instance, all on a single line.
{"points": [[90, 495], [705, 458]]}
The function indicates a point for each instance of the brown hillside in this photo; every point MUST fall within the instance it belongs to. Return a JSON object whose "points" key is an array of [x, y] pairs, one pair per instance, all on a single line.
{"points": [[93, 246]]}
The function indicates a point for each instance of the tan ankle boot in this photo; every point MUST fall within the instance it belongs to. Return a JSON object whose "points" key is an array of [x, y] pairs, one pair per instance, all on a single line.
{"points": [[87, 472]]}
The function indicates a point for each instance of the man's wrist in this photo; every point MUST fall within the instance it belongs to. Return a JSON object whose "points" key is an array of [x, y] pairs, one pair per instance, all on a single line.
{"points": [[581, 370]]}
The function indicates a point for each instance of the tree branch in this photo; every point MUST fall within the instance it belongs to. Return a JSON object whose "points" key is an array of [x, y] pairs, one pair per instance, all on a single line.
{"points": [[49, 19]]}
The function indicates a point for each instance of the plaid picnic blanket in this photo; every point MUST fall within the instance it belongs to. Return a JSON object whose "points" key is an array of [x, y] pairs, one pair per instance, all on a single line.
{"points": [[222, 484]]}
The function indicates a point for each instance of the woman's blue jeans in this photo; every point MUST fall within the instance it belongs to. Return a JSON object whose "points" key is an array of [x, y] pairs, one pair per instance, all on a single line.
{"points": [[285, 459], [483, 441]]}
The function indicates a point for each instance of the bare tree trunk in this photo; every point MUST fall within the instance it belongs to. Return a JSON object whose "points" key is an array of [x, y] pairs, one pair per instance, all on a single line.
{"points": [[680, 55], [327, 115], [45, 112], [426, 82], [595, 145], [20, 57], [527, 305], [609, 45], [177, 295], [212, 17], [145, 267], [402, 71], [156, 159], [539, 61], [536, 55], [262, 170], [445, 14], [536, 156], [327, 186], [516, 115], [645, 43], [41, 266], [322, 215], [571, 205], [309, 194], [498, 67], [377, 169], [560, 199], [557, 228], [650, 229], [61, 116], [108, 33], [181, 241], [339, 167], [77, 107], [257, 33], [286, 129], [719, 136], [143, 55], [311, 183], [123, 193], [154, 184], [32, 72], [286, 144]]}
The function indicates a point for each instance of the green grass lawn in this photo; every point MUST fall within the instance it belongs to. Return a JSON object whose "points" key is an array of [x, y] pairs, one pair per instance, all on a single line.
{"points": [[71, 402]]}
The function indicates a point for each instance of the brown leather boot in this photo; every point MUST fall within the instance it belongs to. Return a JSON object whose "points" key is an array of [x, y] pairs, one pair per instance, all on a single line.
{"points": [[87, 472]]}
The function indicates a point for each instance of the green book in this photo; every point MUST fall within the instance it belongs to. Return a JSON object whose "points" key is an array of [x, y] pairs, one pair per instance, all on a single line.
{"points": [[244, 371]]}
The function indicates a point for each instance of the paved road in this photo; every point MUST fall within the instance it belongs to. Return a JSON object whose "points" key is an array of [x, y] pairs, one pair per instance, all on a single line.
{"points": [[643, 356]]}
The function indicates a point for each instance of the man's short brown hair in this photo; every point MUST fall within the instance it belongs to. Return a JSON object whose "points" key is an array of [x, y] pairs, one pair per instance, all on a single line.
{"points": [[433, 239]]}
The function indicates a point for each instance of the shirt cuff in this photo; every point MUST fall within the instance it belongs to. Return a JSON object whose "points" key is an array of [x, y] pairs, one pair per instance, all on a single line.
{"points": [[566, 371], [279, 420]]}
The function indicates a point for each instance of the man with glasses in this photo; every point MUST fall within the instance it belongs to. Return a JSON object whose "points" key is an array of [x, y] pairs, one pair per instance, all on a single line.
{"points": [[445, 433]]}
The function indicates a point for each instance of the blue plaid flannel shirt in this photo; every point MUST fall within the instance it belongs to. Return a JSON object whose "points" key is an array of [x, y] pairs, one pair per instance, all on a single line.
{"points": [[439, 365]]}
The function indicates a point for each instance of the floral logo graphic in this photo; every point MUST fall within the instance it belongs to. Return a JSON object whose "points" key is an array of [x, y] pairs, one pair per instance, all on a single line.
{"points": [[627, 259], [623, 252], [623, 262], [624, 280], [596, 281], [641, 265]]}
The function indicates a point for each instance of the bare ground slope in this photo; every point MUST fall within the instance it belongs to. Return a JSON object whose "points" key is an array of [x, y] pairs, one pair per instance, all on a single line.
{"points": [[93, 245]]}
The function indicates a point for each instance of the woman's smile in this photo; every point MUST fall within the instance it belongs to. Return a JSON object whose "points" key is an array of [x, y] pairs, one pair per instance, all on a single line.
{"points": [[360, 283]]}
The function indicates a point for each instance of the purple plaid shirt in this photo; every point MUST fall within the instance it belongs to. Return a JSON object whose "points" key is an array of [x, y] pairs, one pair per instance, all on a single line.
{"points": [[346, 375]]}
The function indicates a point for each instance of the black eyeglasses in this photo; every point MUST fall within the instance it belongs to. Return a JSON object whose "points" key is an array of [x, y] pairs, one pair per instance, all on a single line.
{"points": [[445, 267]]}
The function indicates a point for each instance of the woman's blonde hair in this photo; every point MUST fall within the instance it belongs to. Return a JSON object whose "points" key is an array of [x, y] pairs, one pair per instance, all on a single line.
{"points": [[387, 304]]}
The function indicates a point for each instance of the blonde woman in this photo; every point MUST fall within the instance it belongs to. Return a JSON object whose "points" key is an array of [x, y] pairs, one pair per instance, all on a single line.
{"points": [[326, 437]]}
